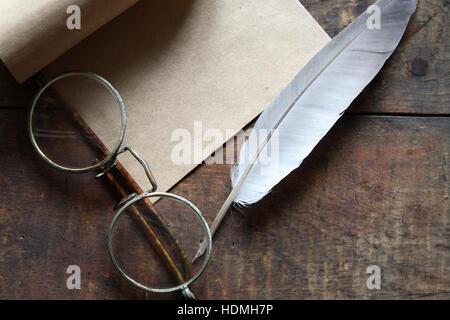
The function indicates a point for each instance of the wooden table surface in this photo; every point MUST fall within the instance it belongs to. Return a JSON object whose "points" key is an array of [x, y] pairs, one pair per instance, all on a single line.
{"points": [[374, 192]]}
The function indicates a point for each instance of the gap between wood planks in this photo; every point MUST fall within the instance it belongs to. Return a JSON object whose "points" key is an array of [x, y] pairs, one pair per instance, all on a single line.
{"points": [[350, 114]]}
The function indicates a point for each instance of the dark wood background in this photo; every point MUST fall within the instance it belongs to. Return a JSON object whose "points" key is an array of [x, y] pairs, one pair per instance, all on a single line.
{"points": [[375, 191]]}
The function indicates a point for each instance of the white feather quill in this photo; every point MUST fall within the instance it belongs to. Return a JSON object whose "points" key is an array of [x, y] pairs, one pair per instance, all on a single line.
{"points": [[301, 115]]}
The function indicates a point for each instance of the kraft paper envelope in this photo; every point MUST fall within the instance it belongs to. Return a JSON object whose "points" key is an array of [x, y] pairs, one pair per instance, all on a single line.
{"points": [[212, 63]]}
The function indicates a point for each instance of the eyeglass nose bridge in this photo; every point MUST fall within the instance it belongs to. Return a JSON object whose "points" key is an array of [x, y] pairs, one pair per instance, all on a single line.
{"points": [[141, 160]]}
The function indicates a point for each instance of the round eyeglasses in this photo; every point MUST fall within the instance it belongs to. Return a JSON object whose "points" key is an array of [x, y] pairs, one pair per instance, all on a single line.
{"points": [[151, 245]]}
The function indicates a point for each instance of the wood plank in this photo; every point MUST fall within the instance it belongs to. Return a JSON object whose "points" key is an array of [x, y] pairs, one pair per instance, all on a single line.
{"points": [[416, 78], [375, 191]]}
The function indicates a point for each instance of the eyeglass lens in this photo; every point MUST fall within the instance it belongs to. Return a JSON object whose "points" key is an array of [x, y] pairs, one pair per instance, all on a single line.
{"points": [[180, 233], [76, 121]]}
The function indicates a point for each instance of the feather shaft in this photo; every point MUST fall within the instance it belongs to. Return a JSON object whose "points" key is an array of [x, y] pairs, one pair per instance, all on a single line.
{"points": [[312, 103]]}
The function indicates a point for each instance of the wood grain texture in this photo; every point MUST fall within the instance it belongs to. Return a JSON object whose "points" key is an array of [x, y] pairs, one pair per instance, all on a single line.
{"points": [[375, 191], [416, 77]]}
